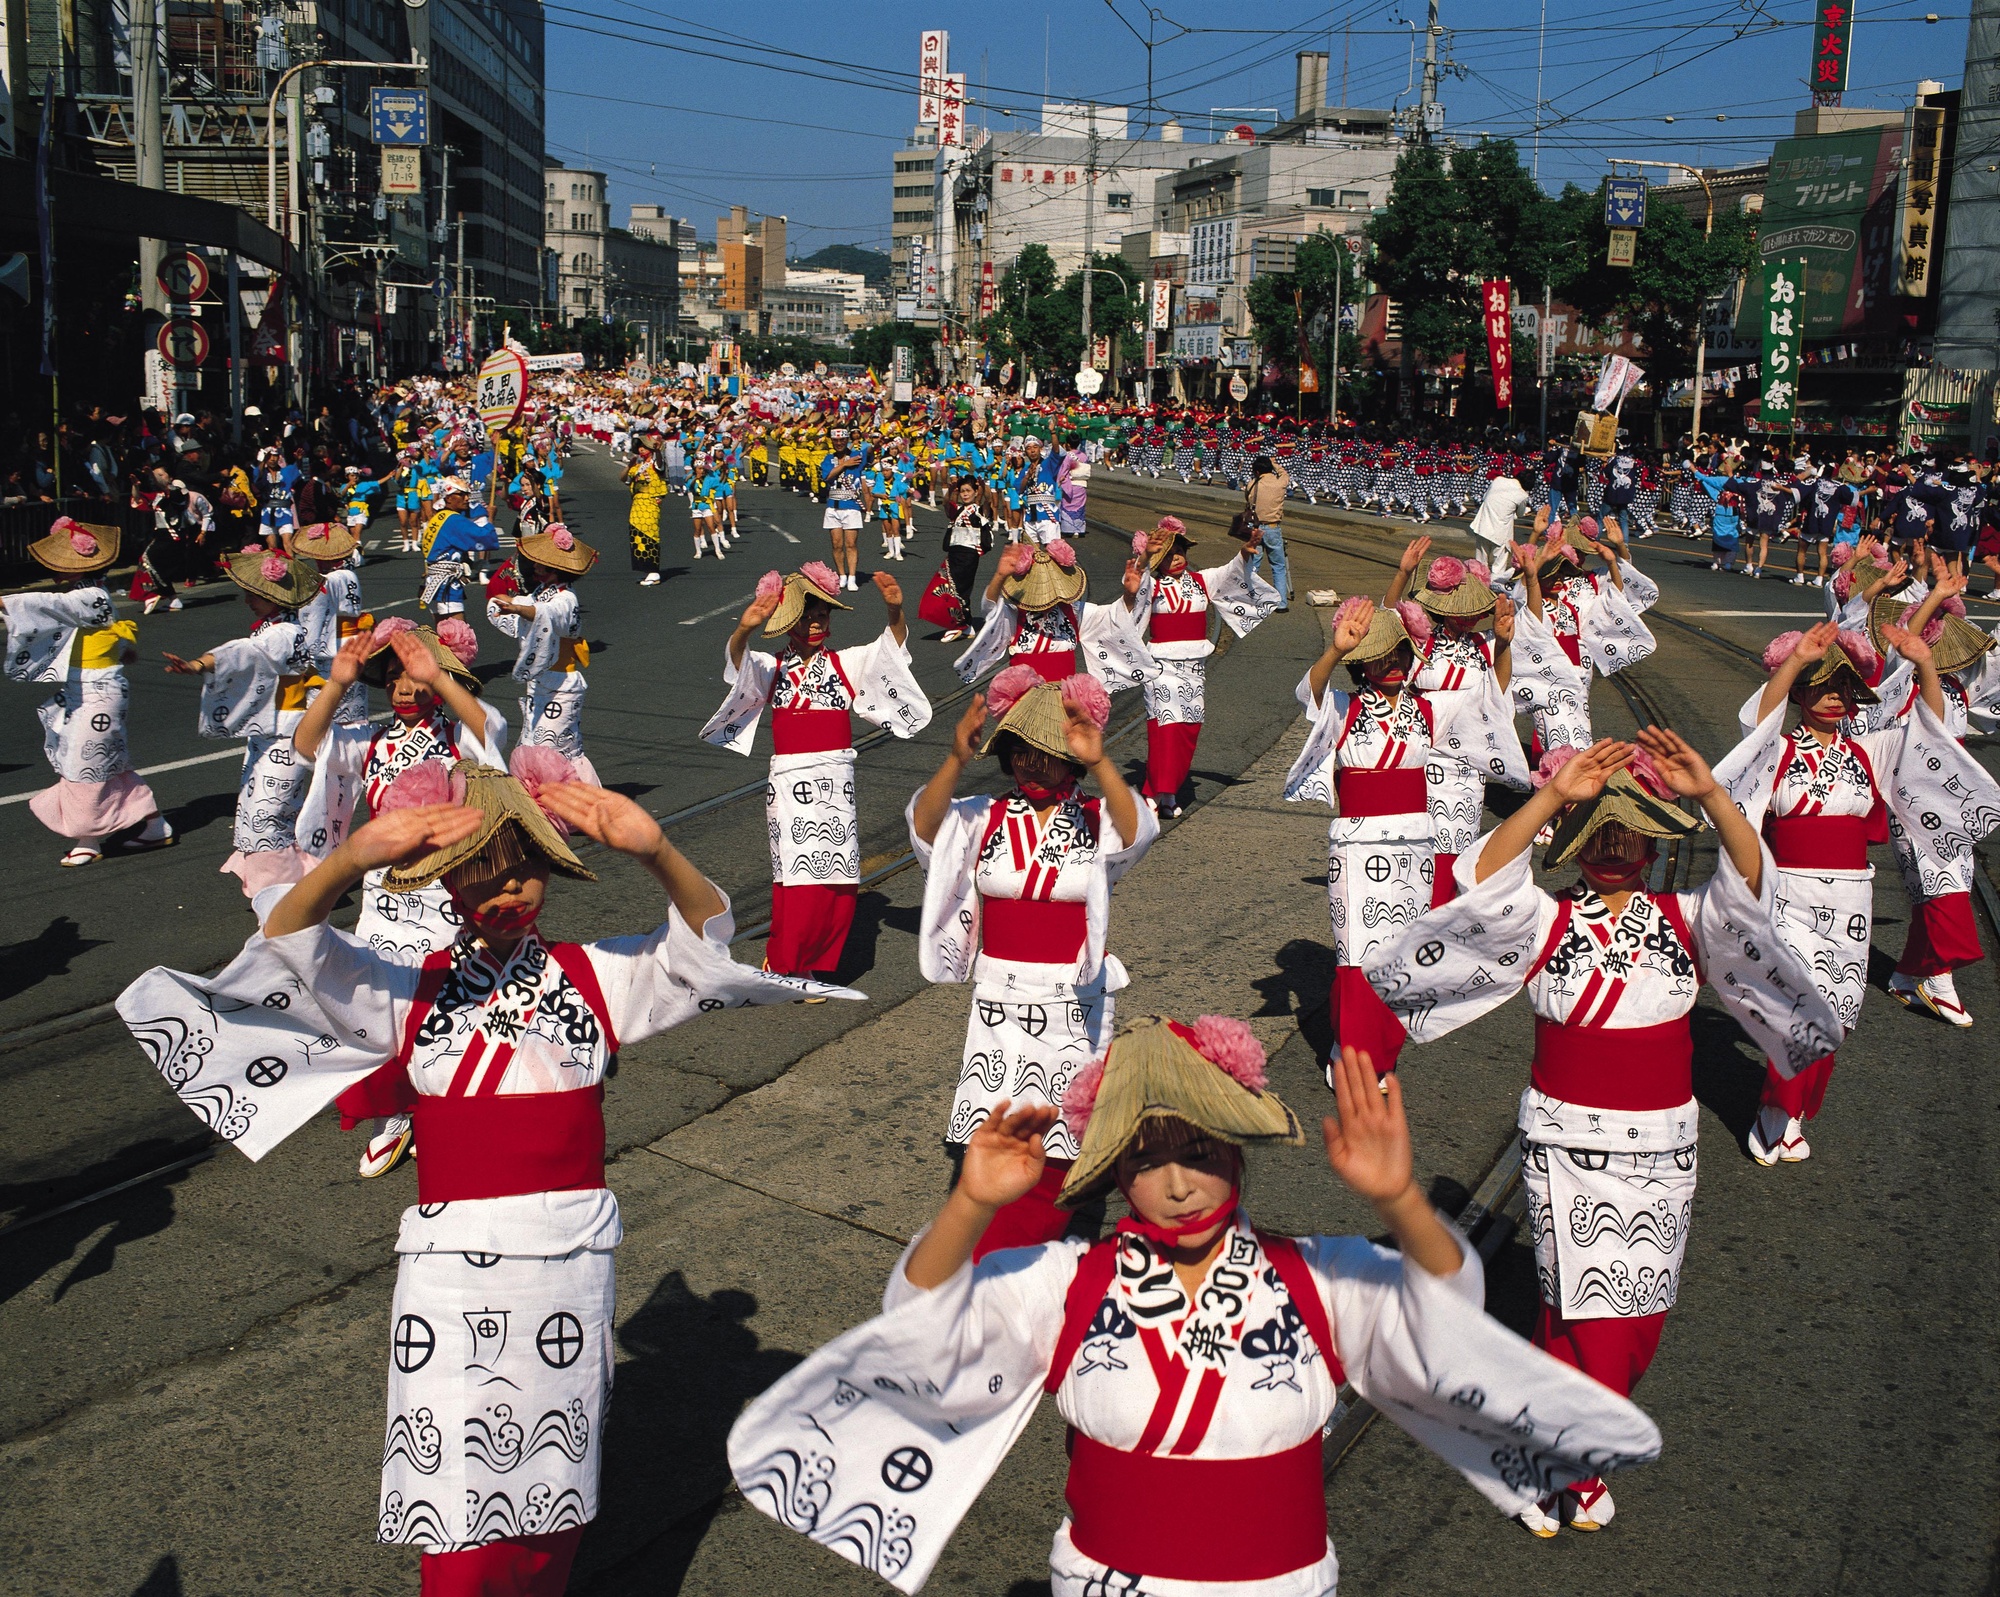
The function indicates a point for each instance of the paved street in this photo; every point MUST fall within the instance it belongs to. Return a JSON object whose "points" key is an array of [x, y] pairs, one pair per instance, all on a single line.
{"points": [[190, 1369]]}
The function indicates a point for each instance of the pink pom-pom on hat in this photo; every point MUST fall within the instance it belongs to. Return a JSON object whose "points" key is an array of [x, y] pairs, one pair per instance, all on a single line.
{"points": [[1006, 689], [1172, 526], [1780, 649], [1016, 558], [388, 627], [456, 634], [1142, 546], [770, 585], [1416, 620], [1348, 606], [1646, 772], [536, 766], [1589, 528], [426, 782], [276, 568], [1062, 554], [1481, 570], [1090, 696], [1079, 1099], [1552, 761], [561, 536], [81, 538], [1231, 1046], [1447, 573], [821, 575], [1856, 647]]}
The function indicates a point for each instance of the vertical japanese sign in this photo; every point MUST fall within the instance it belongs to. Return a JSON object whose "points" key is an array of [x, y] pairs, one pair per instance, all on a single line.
{"points": [[986, 301], [1498, 315], [951, 111], [1920, 187], [1783, 317], [1163, 303], [933, 53], [1833, 31]]}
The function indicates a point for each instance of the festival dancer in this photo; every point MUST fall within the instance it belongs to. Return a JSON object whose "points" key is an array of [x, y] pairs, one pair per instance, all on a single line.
{"points": [[1196, 1358], [1176, 604], [257, 689], [1036, 616], [454, 544], [840, 473], [500, 1045], [966, 541], [1366, 757], [1017, 900], [648, 488], [436, 715], [334, 614], [545, 619], [1815, 792], [1608, 1123], [814, 692], [1570, 624], [71, 638]]}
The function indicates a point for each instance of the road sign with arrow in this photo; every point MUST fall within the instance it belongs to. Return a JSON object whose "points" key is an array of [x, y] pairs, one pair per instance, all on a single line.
{"points": [[1625, 202], [400, 116]]}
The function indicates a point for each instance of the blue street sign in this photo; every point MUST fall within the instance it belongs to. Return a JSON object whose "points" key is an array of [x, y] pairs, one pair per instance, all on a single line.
{"points": [[400, 116], [1625, 202]]}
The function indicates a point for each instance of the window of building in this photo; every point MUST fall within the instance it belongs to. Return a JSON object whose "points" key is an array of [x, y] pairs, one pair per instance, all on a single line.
{"points": [[572, 191], [1354, 199], [927, 163], [912, 216], [580, 296], [913, 191], [1323, 197], [580, 264], [1114, 201]]}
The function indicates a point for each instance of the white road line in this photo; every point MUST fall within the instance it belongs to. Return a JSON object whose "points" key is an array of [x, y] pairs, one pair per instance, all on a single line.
{"points": [[373, 544], [1775, 615], [235, 753], [780, 531], [735, 605]]}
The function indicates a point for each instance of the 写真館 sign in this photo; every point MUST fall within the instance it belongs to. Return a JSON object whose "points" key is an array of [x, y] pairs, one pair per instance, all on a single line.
{"points": [[503, 388]]}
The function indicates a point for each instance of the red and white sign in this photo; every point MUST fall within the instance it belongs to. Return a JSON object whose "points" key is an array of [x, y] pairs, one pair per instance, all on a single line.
{"points": [[183, 341], [951, 111], [503, 388], [933, 54], [1498, 315], [986, 301], [1163, 303], [183, 275]]}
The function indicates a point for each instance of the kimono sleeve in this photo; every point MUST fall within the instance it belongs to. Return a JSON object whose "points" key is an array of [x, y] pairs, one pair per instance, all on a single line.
{"points": [[1749, 772], [1763, 983], [1120, 853], [1112, 638], [653, 981], [1612, 635], [1982, 690], [734, 726], [938, 1388], [1463, 960], [287, 1026], [1237, 594], [948, 931], [1475, 726], [1543, 677], [1310, 780], [1513, 1421], [1945, 800], [886, 693], [239, 690], [989, 645]]}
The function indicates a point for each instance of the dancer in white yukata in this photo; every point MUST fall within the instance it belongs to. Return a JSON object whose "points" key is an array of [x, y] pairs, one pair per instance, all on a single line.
{"points": [[1175, 604], [1821, 796], [545, 619], [814, 693], [1593, 620], [501, 1338], [1017, 900], [1195, 1358], [257, 689], [332, 615], [1368, 757], [1608, 1122], [436, 718], [72, 639], [1036, 616]]}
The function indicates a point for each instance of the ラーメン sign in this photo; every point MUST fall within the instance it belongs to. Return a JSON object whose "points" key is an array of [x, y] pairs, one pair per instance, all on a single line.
{"points": [[503, 388]]}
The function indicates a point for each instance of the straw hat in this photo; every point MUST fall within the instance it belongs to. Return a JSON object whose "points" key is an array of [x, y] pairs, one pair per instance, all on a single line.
{"points": [[256, 572], [1625, 802], [60, 551], [1178, 539], [514, 826], [558, 549], [375, 671], [1450, 589], [1957, 645], [1154, 1071], [321, 541], [1834, 667], [1386, 633], [800, 590], [1045, 584], [1038, 720]]}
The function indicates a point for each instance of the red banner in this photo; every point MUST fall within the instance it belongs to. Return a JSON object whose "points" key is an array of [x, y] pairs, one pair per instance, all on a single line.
{"points": [[1498, 316]]}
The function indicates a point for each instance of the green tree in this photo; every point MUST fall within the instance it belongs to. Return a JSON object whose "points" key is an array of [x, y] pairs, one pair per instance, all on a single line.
{"points": [[875, 346]]}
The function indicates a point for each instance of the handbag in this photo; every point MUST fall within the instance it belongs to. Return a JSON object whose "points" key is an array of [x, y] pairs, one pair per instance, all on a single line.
{"points": [[941, 605]]}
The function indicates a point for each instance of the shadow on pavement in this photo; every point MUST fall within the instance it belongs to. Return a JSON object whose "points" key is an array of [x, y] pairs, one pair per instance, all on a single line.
{"points": [[693, 1363], [1300, 983], [1726, 1078], [48, 953], [872, 913], [199, 813], [164, 1581], [143, 1211]]}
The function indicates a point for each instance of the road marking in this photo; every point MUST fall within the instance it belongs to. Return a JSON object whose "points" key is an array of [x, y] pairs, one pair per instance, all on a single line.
{"points": [[780, 531], [373, 544], [1776, 615], [235, 753], [721, 609]]}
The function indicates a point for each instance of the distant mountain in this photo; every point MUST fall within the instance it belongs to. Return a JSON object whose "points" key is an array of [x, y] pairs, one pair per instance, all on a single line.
{"points": [[871, 264]]}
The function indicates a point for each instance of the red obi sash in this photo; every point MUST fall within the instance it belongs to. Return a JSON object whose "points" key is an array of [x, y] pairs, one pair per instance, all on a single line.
{"points": [[1052, 665], [1626, 1068], [1363, 792], [811, 731], [502, 1146], [1180, 626], [1039, 931], [1818, 842], [1220, 1519]]}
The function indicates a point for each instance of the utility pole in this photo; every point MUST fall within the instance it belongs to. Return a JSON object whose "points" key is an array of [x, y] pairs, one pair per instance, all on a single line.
{"points": [[1089, 237], [438, 233], [150, 160], [1429, 93], [1542, 350]]}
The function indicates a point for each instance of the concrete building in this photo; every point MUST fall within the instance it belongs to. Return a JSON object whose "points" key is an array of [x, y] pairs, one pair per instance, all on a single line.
{"points": [[851, 286], [804, 311], [603, 270], [1968, 330], [912, 202]]}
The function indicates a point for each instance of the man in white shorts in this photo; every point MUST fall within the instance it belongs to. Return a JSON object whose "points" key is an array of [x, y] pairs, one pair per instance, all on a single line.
{"points": [[840, 473]]}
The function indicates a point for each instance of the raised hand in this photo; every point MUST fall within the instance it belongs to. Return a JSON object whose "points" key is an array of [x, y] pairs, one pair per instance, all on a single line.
{"points": [[1584, 775], [760, 610], [1503, 618], [402, 837], [1908, 644], [1083, 735], [176, 666], [1413, 555], [1368, 1142], [346, 668], [889, 588], [419, 664], [1348, 635], [1679, 765], [606, 817], [1815, 641], [965, 736], [1132, 579], [1004, 1157]]}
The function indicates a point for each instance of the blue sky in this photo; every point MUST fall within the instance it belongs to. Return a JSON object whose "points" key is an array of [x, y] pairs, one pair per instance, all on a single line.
{"points": [[793, 108]]}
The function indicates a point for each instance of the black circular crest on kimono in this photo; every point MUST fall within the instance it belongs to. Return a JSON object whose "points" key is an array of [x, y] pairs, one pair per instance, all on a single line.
{"points": [[907, 1469], [560, 1340], [414, 1343]]}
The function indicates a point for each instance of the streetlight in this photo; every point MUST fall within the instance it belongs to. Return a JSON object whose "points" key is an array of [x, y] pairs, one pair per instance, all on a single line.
{"points": [[1701, 310]]}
